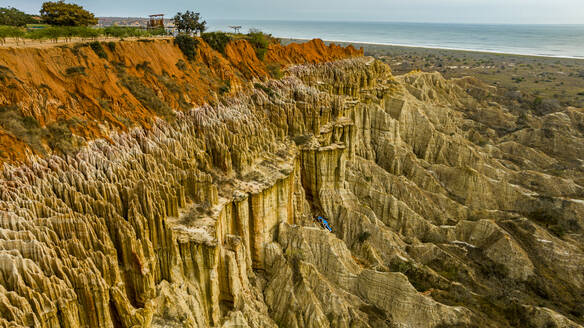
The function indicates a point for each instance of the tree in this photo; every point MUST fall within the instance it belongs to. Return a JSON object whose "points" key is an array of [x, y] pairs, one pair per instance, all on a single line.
{"points": [[14, 17], [10, 32], [66, 14], [189, 22]]}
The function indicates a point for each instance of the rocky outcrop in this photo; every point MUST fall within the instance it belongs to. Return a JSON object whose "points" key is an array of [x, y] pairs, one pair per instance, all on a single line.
{"points": [[438, 219]]}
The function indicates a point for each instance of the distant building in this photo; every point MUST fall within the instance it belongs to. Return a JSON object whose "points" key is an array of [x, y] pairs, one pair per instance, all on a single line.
{"points": [[156, 21]]}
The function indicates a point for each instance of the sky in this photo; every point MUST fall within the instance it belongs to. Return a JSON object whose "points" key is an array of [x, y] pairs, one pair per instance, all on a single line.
{"points": [[436, 11]]}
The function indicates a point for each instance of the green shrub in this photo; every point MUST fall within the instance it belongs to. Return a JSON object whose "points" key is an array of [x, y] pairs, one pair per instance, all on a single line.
{"points": [[75, 70], [111, 46], [260, 41], [144, 66], [146, 95], [225, 87], [98, 49], [274, 69], [5, 73], [61, 139], [217, 40], [364, 236], [187, 45], [180, 64], [24, 128], [264, 88]]}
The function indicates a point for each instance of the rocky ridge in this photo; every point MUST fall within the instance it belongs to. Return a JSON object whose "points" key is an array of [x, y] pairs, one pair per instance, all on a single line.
{"points": [[447, 211]]}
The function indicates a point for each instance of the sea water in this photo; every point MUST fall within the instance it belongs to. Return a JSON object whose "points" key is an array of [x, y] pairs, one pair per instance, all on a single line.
{"points": [[539, 40]]}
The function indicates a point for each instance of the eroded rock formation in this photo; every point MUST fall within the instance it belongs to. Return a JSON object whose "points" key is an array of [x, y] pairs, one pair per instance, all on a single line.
{"points": [[446, 212]]}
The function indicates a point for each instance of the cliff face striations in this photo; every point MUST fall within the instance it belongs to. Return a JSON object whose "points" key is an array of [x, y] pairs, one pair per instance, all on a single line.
{"points": [[446, 210]]}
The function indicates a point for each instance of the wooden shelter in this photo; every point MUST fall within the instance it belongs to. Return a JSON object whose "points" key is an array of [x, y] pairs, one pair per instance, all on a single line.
{"points": [[156, 21]]}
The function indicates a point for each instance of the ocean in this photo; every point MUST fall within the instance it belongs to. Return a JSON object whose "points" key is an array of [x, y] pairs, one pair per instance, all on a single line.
{"points": [[538, 40]]}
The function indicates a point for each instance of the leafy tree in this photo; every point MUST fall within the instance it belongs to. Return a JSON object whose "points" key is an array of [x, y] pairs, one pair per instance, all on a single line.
{"points": [[66, 14], [189, 22], [14, 17]]}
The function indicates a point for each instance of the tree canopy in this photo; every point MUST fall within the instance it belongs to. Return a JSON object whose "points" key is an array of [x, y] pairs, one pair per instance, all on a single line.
{"points": [[14, 17], [189, 22], [66, 14]]}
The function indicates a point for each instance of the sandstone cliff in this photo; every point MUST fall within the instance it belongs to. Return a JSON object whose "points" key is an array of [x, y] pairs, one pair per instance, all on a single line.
{"points": [[447, 210]]}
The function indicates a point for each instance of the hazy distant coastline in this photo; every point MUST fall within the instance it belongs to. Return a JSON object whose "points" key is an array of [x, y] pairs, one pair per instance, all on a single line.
{"points": [[561, 41]]}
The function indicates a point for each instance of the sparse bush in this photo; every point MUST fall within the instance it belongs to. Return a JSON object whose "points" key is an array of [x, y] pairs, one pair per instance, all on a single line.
{"points": [[225, 87], [217, 40], [61, 139], [24, 128], [144, 66], [187, 45], [260, 41], [180, 64], [274, 69], [75, 70], [364, 236], [146, 96], [98, 49], [111, 46], [5, 73], [264, 88]]}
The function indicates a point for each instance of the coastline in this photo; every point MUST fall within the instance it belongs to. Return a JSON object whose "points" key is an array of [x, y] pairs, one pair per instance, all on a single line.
{"points": [[397, 45], [557, 80]]}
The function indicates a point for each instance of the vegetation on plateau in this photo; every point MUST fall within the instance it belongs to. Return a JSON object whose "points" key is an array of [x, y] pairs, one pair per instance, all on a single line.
{"points": [[62, 21]]}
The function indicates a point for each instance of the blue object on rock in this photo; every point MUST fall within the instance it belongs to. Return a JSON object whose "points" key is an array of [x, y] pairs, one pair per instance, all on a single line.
{"points": [[324, 223]]}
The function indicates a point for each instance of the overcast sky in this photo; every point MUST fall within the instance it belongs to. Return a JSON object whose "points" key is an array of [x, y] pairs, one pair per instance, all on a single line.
{"points": [[449, 11]]}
